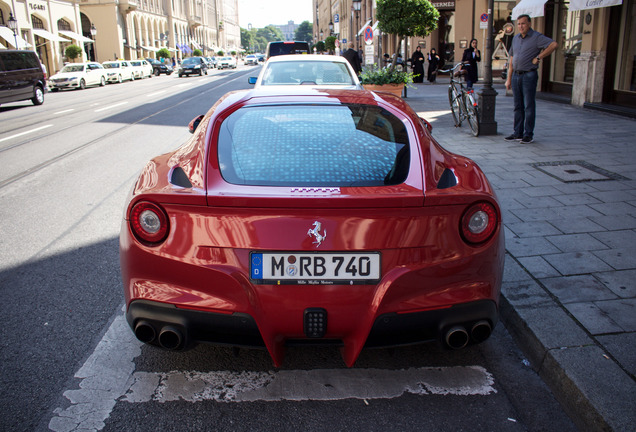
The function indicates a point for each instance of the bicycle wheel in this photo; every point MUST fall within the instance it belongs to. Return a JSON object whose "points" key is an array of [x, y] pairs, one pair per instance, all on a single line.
{"points": [[454, 99], [471, 113]]}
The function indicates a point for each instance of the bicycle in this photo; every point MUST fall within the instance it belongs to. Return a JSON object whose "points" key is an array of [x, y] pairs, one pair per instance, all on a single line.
{"points": [[462, 100]]}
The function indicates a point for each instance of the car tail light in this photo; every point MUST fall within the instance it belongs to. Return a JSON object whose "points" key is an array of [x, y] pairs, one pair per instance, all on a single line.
{"points": [[479, 222], [149, 222]]}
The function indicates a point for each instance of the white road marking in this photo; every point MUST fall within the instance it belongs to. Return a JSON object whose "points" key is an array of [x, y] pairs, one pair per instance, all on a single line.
{"points": [[109, 373], [25, 133], [157, 93], [111, 106], [65, 111]]}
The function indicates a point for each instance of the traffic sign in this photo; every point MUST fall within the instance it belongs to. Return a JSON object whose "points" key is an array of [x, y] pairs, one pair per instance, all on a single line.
{"points": [[484, 17], [368, 35], [336, 18], [483, 24]]}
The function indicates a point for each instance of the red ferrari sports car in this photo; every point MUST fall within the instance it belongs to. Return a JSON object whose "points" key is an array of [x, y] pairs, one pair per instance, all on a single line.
{"points": [[311, 216]]}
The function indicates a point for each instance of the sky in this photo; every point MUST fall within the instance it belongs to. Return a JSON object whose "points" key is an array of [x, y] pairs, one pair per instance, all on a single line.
{"points": [[261, 13]]}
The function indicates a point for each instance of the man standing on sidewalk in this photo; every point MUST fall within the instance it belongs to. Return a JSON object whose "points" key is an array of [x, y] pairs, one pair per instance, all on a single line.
{"points": [[529, 47], [352, 56]]}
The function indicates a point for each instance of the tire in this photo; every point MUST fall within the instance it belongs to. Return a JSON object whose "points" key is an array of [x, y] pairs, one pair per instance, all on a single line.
{"points": [[157, 72], [200, 72], [55, 90], [132, 76], [82, 85], [180, 75], [472, 114], [120, 79], [38, 96], [102, 82], [454, 99]]}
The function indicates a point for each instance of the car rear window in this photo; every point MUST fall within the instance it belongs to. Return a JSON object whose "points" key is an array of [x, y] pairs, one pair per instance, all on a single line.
{"points": [[313, 145], [283, 48], [307, 72]]}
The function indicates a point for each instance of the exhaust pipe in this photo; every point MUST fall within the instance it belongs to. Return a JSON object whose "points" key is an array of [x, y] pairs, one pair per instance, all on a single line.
{"points": [[456, 337], [145, 332], [170, 338], [481, 331]]}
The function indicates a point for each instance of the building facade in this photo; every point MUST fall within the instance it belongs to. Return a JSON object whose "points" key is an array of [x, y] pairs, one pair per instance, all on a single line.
{"points": [[112, 29], [288, 30], [595, 63]]}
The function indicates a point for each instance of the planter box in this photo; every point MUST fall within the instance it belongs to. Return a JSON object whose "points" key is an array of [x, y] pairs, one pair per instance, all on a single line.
{"points": [[396, 89]]}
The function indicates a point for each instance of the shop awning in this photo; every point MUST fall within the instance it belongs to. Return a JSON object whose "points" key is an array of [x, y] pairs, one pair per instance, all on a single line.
{"points": [[7, 34], [592, 4], [149, 48], [365, 26], [195, 45], [78, 37], [533, 8], [48, 35]]}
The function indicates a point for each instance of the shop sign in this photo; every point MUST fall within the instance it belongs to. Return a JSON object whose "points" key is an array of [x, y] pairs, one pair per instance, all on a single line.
{"points": [[444, 5], [37, 7]]}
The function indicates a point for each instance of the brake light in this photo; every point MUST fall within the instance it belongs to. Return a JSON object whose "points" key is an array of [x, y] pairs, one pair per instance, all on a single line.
{"points": [[479, 223], [149, 222]]}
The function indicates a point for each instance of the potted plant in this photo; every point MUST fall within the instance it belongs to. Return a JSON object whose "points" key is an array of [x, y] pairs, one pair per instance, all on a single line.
{"points": [[72, 52], [385, 79]]}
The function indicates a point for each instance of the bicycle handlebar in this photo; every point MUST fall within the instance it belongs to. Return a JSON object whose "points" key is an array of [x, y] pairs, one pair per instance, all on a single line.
{"points": [[455, 67]]}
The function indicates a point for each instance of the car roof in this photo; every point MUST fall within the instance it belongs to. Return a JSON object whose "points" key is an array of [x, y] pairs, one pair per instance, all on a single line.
{"points": [[306, 57]]}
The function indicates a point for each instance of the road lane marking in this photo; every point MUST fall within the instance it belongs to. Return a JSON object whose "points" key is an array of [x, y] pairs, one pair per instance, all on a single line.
{"points": [[65, 111], [109, 373], [157, 93], [25, 133], [111, 106], [303, 385]]}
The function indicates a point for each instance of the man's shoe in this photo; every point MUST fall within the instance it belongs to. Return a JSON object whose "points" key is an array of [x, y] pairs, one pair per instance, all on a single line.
{"points": [[512, 137], [526, 140]]}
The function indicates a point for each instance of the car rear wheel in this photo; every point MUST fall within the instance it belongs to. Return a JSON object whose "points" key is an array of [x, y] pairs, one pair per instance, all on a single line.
{"points": [[38, 96], [82, 85]]}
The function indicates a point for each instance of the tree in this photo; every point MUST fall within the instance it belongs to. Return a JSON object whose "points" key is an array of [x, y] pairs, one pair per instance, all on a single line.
{"points": [[163, 53], [304, 32], [320, 46], [406, 18], [330, 43], [197, 53], [73, 52], [247, 39]]}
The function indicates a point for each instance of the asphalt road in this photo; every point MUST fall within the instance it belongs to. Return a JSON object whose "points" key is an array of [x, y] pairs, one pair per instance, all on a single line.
{"points": [[68, 361]]}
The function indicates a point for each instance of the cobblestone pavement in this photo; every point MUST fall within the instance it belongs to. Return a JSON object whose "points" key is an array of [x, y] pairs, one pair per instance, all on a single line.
{"points": [[569, 210]]}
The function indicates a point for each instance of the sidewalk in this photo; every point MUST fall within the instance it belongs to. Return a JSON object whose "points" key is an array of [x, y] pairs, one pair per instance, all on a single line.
{"points": [[569, 210]]}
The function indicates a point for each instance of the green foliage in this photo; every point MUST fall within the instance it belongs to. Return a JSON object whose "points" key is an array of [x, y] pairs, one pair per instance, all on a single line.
{"points": [[163, 53], [73, 52], [304, 32], [330, 43], [247, 38], [233, 53], [407, 17], [379, 76], [220, 53], [197, 53], [320, 46]]}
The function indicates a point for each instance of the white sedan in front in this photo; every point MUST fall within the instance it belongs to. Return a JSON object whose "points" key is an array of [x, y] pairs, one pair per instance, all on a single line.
{"points": [[78, 76]]}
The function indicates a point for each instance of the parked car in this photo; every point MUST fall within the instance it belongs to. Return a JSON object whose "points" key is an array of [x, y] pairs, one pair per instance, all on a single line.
{"points": [[251, 60], [226, 63], [277, 48], [78, 76], [142, 68], [22, 77], [212, 61], [300, 216], [118, 71], [159, 68], [193, 66], [314, 70]]}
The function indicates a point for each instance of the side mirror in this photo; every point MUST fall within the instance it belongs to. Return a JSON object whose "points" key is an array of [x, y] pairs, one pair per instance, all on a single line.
{"points": [[194, 124], [252, 80], [427, 124]]}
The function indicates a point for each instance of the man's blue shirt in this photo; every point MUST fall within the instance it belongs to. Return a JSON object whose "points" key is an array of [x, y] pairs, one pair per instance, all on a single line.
{"points": [[524, 49]]}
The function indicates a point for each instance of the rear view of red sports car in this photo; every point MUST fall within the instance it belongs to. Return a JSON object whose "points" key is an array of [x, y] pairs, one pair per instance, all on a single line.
{"points": [[311, 216]]}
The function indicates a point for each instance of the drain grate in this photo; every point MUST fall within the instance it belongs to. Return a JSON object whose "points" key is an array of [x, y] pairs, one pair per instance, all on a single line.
{"points": [[576, 171]]}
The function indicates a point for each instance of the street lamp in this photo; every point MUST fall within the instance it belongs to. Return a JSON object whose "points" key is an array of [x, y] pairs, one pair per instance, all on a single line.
{"points": [[94, 33], [13, 25], [357, 5], [330, 28]]}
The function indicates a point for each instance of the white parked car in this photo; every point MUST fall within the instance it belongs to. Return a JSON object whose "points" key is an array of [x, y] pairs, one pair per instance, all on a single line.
{"points": [[226, 62], [118, 71], [323, 71], [78, 76], [251, 59], [142, 68]]}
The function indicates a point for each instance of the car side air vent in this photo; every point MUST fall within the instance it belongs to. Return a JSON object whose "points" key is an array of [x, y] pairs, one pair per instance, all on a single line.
{"points": [[180, 178], [447, 180]]}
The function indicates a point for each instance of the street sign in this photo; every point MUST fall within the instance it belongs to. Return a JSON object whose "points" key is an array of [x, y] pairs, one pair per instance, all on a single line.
{"points": [[368, 35], [483, 24], [336, 18], [368, 55]]}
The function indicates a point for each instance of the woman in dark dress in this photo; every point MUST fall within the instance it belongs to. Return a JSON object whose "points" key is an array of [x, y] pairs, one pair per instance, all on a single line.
{"points": [[417, 61], [471, 56], [433, 62]]}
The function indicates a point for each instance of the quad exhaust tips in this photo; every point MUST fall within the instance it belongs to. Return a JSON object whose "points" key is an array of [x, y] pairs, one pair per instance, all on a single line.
{"points": [[170, 337], [457, 337]]}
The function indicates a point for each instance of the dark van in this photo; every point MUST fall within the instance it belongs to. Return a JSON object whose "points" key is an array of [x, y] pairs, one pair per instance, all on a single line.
{"points": [[286, 47], [21, 77]]}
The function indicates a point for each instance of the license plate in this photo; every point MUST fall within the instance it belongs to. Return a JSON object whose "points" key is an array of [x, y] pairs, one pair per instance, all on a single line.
{"points": [[318, 268]]}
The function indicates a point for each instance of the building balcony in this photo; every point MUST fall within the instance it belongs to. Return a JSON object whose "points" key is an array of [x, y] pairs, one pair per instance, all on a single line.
{"points": [[195, 20], [128, 5]]}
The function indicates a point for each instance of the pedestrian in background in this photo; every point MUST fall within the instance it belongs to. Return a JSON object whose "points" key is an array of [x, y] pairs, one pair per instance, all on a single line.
{"points": [[528, 48], [417, 62], [433, 63], [470, 58], [352, 57]]}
